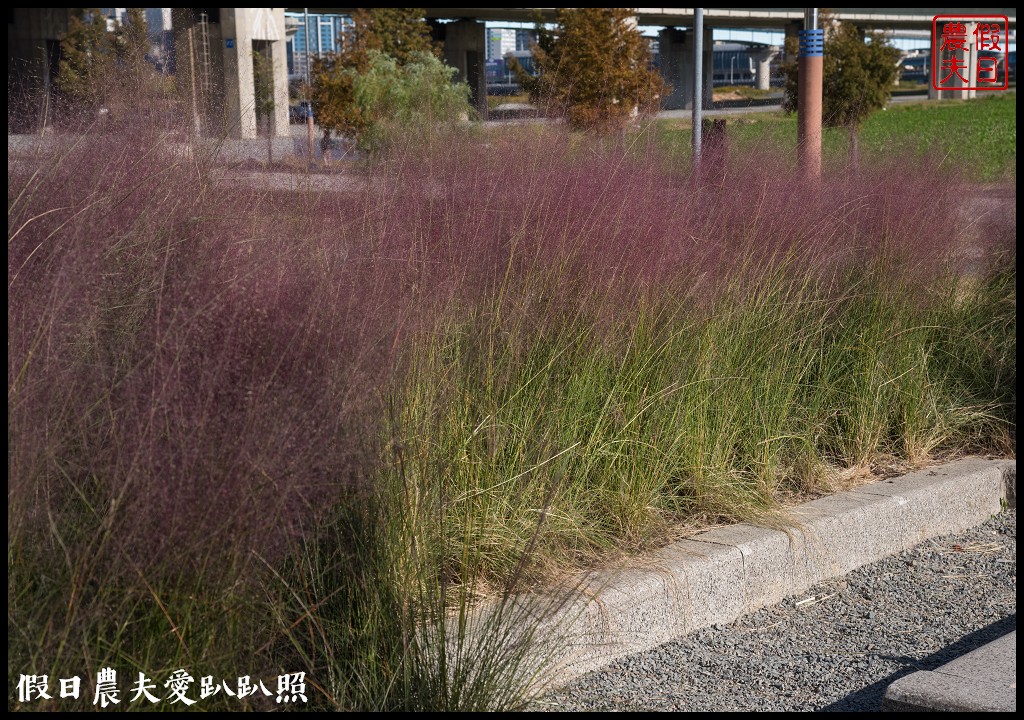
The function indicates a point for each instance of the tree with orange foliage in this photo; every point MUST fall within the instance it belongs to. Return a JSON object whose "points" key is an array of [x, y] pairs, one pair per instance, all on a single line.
{"points": [[594, 68]]}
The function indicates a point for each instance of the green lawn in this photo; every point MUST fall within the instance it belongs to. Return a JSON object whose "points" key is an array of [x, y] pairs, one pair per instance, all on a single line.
{"points": [[977, 137]]}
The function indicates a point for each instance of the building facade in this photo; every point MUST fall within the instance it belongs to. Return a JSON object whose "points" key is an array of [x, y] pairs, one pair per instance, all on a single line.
{"points": [[321, 38]]}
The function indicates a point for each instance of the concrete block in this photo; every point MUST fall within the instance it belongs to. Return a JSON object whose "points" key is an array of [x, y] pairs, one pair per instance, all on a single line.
{"points": [[719, 575], [856, 527], [1010, 482], [946, 499], [850, 529], [684, 587], [984, 680], [706, 580], [775, 563]]}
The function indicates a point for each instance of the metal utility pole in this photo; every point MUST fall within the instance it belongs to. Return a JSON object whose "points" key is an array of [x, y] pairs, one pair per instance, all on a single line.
{"points": [[698, 76], [197, 124], [305, 39], [305, 93], [809, 71]]}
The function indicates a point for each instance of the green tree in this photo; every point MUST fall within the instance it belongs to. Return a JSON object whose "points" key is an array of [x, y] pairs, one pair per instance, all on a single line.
{"points": [[406, 98], [98, 67], [594, 68], [87, 58], [141, 86], [131, 44], [858, 75], [400, 33]]}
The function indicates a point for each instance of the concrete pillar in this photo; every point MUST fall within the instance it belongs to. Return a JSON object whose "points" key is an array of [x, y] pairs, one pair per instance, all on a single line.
{"points": [[279, 57], [33, 45], [235, 86], [762, 62], [936, 63], [199, 68], [933, 72], [239, 87], [672, 62], [675, 56], [186, 71], [972, 62], [465, 49], [791, 41]]}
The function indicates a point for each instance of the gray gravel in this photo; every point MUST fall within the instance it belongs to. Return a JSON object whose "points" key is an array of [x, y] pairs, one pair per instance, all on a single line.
{"points": [[913, 611]]}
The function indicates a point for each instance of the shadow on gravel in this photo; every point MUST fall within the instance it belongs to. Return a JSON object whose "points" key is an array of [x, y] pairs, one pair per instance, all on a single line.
{"points": [[869, 698]]}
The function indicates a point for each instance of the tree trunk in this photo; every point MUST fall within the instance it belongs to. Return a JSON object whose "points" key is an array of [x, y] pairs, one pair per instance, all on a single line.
{"points": [[325, 147], [854, 147]]}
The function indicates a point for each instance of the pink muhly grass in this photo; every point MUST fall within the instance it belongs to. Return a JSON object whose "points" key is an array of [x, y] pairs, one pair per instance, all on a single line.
{"points": [[213, 363]]}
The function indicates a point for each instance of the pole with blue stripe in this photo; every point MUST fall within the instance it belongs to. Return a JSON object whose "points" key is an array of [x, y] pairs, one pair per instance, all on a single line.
{"points": [[810, 59]]}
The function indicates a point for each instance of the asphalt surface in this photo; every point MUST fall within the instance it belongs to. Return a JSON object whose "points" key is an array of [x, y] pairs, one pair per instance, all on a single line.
{"points": [[836, 647]]}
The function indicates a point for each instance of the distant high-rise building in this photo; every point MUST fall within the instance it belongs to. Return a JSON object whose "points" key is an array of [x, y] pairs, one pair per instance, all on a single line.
{"points": [[161, 36], [501, 41], [324, 31], [158, 20], [113, 16]]}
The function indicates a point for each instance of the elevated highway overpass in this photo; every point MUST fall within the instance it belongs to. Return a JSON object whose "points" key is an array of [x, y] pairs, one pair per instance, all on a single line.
{"points": [[742, 18]]}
